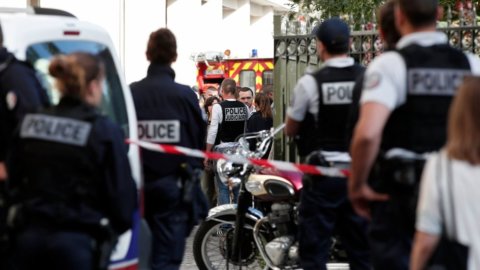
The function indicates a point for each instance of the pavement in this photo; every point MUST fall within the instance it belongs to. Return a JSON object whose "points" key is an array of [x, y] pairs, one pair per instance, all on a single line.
{"points": [[188, 261]]}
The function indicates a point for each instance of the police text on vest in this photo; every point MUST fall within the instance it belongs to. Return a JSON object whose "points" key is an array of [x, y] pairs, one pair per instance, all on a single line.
{"points": [[159, 131], [337, 93], [56, 129], [434, 81], [236, 114]]}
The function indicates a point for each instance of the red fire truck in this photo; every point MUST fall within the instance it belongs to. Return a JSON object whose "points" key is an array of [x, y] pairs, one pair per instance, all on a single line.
{"points": [[214, 67]]}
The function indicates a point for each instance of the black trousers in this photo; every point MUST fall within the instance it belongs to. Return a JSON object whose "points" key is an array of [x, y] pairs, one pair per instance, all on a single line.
{"points": [[168, 221], [389, 236], [41, 248], [325, 210]]}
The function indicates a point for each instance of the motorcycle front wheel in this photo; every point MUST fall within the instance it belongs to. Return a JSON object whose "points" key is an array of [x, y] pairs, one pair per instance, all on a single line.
{"points": [[213, 243]]}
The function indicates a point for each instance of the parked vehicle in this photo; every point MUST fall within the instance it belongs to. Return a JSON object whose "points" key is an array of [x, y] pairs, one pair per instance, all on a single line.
{"points": [[214, 67], [35, 35], [260, 232]]}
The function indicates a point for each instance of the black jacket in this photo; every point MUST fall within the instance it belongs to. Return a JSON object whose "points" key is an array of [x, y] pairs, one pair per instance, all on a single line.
{"points": [[69, 168], [162, 104], [20, 93]]}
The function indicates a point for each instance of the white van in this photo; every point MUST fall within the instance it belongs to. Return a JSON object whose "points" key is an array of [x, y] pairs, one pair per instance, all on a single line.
{"points": [[34, 35]]}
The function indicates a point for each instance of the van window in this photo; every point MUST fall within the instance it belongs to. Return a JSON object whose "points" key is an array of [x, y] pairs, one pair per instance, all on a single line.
{"points": [[267, 77], [113, 102], [247, 79]]}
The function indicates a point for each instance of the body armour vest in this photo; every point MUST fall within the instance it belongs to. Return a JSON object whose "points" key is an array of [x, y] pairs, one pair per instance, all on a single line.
{"points": [[335, 86], [235, 115], [433, 75], [59, 165]]}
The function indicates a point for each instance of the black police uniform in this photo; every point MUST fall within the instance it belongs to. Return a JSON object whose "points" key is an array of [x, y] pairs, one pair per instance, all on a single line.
{"points": [[235, 115], [20, 92], [324, 206], [234, 124], [169, 113], [418, 125], [70, 186]]}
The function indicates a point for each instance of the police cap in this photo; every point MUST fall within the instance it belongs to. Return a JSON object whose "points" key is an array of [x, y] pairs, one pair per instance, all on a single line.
{"points": [[334, 34]]}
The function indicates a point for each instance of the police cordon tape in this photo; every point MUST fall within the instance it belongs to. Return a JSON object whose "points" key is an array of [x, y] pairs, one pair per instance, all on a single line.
{"points": [[275, 164]]}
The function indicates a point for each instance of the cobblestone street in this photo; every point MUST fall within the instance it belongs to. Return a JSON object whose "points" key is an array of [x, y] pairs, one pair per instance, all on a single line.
{"points": [[188, 261]]}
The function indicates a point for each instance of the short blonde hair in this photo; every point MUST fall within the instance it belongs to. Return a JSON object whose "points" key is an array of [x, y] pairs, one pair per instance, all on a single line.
{"points": [[463, 131]]}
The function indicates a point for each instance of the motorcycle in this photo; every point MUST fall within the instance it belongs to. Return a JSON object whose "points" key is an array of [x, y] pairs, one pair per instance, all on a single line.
{"points": [[259, 232]]}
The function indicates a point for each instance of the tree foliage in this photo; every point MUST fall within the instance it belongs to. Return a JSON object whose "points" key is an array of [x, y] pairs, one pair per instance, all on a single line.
{"points": [[357, 10]]}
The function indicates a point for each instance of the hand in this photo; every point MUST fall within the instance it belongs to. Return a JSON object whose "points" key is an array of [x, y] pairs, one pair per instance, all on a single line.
{"points": [[206, 164], [3, 172], [361, 198]]}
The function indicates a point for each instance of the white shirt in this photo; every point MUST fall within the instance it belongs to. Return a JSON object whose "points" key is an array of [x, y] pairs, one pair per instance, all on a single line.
{"points": [[217, 119], [386, 77], [465, 190], [305, 98]]}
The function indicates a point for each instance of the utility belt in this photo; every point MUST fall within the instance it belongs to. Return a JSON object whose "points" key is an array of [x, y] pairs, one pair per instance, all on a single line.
{"points": [[398, 173], [321, 158]]}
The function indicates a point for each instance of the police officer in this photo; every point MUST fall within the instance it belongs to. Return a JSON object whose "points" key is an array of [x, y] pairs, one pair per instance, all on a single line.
{"points": [[20, 92], [229, 120], [404, 104], [69, 182], [169, 113], [317, 116]]}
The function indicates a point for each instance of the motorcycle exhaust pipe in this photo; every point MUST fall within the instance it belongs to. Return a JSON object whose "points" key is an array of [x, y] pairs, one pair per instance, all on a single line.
{"points": [[260, 245]]}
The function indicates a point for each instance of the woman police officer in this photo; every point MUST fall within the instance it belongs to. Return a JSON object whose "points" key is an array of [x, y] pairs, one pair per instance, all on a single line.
{"points": [[70, 184]]}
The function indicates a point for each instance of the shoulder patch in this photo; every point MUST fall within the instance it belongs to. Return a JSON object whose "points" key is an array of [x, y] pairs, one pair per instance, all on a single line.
{"points": [[55, 129], [11, 100], [372, 80]]}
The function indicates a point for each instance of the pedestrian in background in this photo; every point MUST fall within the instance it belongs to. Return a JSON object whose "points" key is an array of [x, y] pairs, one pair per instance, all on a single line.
{"points": [[261, 119], [208, 179], [70, 185], [317, 117], [449, 195], [245, 95], [169, 113], [402, 109], [229, 120]]}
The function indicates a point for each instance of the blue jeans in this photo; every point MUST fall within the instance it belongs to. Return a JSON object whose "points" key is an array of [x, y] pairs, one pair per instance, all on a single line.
{"points": [[223, 193]]}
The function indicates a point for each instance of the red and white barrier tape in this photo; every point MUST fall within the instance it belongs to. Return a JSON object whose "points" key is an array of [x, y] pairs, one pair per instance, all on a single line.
{"points": [[279, 165]]}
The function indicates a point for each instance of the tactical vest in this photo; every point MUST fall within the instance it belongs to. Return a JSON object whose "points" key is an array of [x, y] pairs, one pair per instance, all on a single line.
{"points": [[235, 115], [335, 87], [59, 166], [433, 75]]}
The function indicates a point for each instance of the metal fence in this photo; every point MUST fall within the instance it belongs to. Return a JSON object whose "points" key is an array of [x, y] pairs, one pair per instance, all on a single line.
{"points": [[296, 54]]}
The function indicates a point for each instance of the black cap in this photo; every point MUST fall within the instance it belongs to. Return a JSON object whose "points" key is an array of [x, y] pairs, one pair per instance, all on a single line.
{"points": [[334, 34]]}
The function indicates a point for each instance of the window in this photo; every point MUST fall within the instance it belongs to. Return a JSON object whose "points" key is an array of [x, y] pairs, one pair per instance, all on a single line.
{"points": [[267, 77], [113, 102], [247, 79]]}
